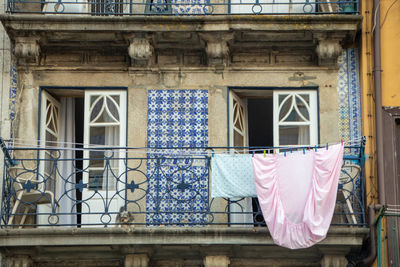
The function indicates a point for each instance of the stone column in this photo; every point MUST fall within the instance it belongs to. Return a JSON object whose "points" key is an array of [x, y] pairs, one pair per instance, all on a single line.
{"points": [[216, 261], [334, 261], [136, 260], [17, 261]]}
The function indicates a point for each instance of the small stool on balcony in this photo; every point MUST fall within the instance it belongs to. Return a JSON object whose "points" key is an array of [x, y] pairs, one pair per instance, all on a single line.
{"points": [[29, 191]]}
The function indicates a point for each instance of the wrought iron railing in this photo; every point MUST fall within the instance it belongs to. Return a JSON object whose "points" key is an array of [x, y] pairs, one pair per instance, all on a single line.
{"points": [[141, 187], [182, 7]]}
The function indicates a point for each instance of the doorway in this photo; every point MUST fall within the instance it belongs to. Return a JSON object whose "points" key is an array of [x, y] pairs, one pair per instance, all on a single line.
{"points": [[88, 177]]}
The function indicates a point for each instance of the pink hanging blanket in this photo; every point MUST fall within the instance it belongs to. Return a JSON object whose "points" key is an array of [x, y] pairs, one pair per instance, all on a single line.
{"points": [[297, 194]]}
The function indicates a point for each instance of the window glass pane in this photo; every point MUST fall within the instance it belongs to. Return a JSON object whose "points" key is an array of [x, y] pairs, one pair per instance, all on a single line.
{"points": [[305, 97], [101, 180], [302, 107], [97, 135], [238, 139], [113, 108], [51, 140], [96, 109], [116, 98], [285, 107], [104, 136], [294, 135], [294, 116], [282, 97]]}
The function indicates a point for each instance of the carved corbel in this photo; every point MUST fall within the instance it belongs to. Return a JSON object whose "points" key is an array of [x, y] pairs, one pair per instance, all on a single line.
{"points": [[217, 48], [140, 49], [328, 51], [27, 47]]}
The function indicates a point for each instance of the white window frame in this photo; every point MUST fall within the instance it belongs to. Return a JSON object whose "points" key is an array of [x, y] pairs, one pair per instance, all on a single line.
{"points": [[312, 109]]}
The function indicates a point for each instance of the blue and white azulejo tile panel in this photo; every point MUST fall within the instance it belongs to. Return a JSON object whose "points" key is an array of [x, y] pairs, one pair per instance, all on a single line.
{"points": [[178, 179], [349, 93], [179, 7], [349, 106]]}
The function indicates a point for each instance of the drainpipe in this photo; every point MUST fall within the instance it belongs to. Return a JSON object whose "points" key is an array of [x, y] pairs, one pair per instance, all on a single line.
{"points": [[368, 261]]}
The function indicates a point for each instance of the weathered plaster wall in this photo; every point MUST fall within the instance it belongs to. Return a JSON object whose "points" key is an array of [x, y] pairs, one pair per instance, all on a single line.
{"points": [[216, 82], [138, 82]]}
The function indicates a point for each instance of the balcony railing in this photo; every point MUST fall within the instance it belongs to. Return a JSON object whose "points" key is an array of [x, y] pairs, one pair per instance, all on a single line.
{"points": [[183, 7], [141, 187]]}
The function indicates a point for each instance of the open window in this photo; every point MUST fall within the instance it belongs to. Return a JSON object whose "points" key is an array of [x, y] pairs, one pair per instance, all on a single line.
{"points": [[266, 118], [86, 185]]}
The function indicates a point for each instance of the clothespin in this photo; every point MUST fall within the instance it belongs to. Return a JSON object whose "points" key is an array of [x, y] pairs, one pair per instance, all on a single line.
{"points": [[326, 146], [315, 148], [265, 153], [284, 152], [291, 150], [341, 141], [253, 154], [309, 148], [304, 150]]}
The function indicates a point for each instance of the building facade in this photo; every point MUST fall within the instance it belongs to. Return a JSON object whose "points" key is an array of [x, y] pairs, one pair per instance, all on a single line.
{"points": [[118, 108], [380, 95]]}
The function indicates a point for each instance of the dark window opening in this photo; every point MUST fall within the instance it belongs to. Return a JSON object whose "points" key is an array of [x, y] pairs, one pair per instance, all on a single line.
{"points": [[260, 129]]}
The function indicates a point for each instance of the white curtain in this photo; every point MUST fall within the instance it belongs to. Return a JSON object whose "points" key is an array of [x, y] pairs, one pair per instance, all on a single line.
{"points": [[112, 140], [304, 135], [65, 191]]}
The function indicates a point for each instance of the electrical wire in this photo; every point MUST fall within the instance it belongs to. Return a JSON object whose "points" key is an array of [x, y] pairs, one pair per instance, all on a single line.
{"points": [[387, 11]]}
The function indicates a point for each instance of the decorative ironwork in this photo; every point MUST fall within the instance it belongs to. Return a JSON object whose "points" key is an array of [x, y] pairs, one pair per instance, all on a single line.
{"points": [[30, 200], [183, 7]]}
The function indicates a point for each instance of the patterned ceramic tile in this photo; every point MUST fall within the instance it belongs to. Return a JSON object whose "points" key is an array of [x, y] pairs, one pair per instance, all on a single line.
{"points": [[13, 88], [179, 7], [178, 185], [349, 95]]}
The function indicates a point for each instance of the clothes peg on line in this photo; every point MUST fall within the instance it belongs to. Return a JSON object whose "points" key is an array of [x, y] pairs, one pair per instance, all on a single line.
{"points": [[315, 148], [291, 150], [304, 150], [284, 152], [326, 146], [253, 154], [341, 141], [265, 153]]}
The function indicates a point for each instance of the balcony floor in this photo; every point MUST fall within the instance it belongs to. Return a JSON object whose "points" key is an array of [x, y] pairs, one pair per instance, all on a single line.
{"points": [[107, 245]]}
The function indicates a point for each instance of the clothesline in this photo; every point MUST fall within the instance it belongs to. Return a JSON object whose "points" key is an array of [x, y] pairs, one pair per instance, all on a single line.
{"points": [[19, 143]]}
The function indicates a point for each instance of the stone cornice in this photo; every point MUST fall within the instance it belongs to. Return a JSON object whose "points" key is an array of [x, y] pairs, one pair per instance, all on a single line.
{"points": [[337, 236], [324, 23]]}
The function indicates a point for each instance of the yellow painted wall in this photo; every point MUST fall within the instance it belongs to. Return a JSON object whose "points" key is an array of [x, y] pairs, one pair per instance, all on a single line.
{"points": [[390, 52], [367, 101]]}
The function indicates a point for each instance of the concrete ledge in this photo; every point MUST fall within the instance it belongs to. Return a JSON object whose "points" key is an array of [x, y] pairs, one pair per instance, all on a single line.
{"points": [[337, 236], [142, 23]]}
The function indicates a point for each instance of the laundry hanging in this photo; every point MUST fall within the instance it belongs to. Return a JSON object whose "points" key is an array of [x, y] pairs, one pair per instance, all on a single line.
{"points": [[297, 194], [232, 176]]}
